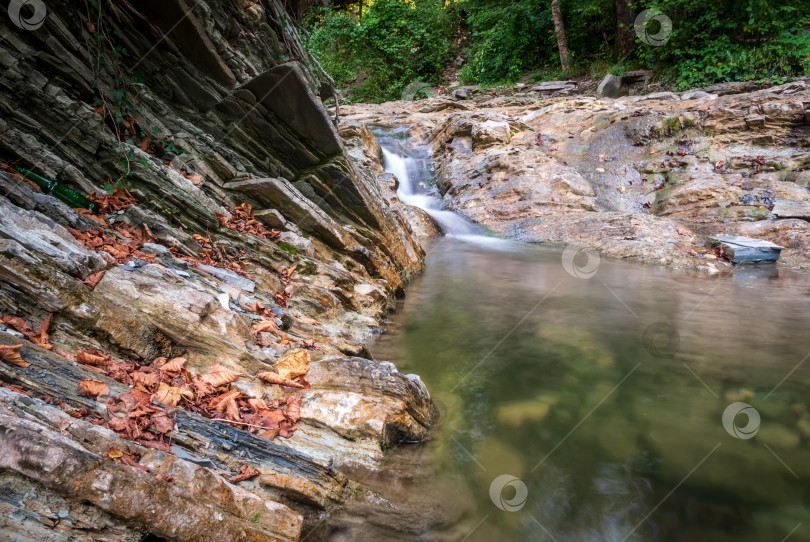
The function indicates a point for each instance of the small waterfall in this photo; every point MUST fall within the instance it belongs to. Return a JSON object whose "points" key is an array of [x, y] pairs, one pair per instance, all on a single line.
{"points": [[414, 176]]}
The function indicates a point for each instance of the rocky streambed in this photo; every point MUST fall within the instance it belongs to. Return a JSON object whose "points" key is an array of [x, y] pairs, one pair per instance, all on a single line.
{"points": [[643, 177]]}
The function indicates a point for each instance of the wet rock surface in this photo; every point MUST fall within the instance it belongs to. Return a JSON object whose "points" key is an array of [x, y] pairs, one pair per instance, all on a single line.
{"points": [[223, 116], [644, 177]]}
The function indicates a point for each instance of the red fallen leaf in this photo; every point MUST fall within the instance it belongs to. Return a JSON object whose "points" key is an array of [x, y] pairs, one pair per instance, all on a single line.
{"points": [[42, 339], [273, 378], [11, 354], [93, 388], [129, 459], [294, 408], [19, 324], [163, 424], [227, 403], [219, 376], [281, 299], [92, 357], [245, 473]]}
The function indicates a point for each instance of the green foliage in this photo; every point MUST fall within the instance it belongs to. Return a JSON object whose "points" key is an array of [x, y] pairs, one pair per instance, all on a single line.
{"points": [[393, 45], [715, 41], [400, 41]]}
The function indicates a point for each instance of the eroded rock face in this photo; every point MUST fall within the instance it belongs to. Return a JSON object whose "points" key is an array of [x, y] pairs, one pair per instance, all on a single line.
{"points": [[646, 177], [224, 114]]}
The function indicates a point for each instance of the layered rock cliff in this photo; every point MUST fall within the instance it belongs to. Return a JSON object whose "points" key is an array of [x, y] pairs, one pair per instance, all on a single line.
{"points": [[241, 228]]}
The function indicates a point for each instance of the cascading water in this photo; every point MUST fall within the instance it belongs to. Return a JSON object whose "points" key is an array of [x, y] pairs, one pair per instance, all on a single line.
{"points": [[413, 173]]}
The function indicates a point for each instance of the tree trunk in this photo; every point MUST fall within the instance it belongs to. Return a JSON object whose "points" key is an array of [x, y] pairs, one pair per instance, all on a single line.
{"points": [[624, 26], [559, 30]]}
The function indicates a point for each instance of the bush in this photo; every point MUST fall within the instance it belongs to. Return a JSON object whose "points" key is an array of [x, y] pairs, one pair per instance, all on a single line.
{"points": [[716, 41], [393, 45]]}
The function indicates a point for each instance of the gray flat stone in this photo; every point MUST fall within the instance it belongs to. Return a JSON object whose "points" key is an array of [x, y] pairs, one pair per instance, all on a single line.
{"points": [[553, 86], [791, 209], [742, 250]]}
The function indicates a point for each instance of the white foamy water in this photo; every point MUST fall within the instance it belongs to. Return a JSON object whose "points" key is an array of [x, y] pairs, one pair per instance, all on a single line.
{"points": [[409, 172]]}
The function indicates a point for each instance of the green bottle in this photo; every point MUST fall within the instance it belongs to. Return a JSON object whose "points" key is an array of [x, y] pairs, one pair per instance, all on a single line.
{"points": [[59, 190]]}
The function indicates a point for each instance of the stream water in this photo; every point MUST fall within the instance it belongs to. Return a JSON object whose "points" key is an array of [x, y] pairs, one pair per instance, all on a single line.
{"points": [[595, 400]]}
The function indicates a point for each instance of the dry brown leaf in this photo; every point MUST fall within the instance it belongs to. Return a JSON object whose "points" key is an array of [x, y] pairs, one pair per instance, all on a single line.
{"points": [[265, 325], [273, 378], [287, 272], [163, 424], [294, 365], [93, 280], [308, 320], [115, 453], [196, 180], [245, 473], [92, 357], [219, 376], [171, 395], [294, 408], [93, 388], [11, 354], [19, 324], [269, 434], [174, 365], [42, 339], [147, 380]]}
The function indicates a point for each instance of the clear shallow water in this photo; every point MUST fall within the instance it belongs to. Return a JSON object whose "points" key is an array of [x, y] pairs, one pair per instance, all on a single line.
{"points": [[604, 398]]}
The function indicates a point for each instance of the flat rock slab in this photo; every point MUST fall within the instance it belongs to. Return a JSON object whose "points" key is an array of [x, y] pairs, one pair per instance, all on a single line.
{"points": [[791, 209], [741, 250], [549, 87]]}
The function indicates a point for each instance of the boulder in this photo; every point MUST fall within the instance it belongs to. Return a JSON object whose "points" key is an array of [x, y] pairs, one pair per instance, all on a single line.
{"points": [[489, 133], [610, 87]]}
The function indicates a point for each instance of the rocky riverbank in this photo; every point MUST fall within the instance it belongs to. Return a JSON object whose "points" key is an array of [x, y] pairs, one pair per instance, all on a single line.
{"points": [[208, 324], [643, 177]]}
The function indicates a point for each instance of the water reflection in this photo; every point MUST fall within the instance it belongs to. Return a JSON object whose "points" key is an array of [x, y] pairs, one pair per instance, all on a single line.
{"points": [[617, 435]]}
